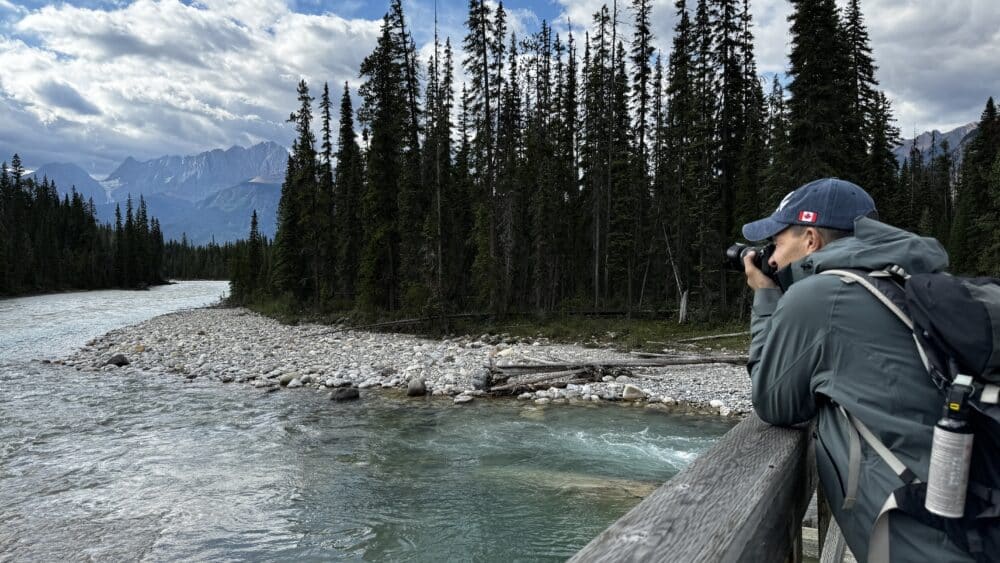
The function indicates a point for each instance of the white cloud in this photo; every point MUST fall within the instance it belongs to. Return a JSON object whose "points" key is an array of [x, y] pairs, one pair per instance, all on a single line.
{"points": [[159, 76]]}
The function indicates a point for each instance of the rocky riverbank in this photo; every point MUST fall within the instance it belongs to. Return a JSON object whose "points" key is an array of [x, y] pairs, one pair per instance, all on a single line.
{"points": [[236, 345]]}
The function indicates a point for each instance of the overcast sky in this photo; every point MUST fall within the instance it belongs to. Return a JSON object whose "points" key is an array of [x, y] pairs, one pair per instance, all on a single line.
{"points": [[94, 81]]}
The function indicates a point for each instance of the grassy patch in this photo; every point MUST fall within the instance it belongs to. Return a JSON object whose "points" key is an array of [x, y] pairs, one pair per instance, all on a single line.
{"points": [[624, 334], [650, 335]]}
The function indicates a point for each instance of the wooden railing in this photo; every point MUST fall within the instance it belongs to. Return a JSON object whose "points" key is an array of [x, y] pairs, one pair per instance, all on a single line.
{"points": [[743, 500]]}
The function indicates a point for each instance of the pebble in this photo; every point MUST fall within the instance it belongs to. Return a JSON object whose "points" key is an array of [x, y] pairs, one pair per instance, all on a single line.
{"points": [[462, 399], [247, 347]]}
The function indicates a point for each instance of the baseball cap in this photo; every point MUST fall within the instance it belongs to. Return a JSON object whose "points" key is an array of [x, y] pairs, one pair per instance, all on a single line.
{"points": [[829, 202]]}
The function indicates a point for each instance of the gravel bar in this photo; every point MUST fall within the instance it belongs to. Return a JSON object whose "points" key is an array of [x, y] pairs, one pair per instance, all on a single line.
{"points": [[237, 345]]}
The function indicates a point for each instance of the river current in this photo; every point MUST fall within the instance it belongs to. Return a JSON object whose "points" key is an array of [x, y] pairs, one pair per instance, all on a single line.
{"points": [[96, 466]]}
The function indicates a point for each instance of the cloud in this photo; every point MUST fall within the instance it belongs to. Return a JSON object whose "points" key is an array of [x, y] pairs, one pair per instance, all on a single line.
{"points": [[161, 76], [110, 79], [64, 96]]}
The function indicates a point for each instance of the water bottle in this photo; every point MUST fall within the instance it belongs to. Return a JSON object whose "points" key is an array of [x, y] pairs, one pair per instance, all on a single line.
{"points": [[951, 453]]}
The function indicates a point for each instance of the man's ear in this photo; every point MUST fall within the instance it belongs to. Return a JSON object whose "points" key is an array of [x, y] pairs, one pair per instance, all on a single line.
{"points": [[814, 241]]}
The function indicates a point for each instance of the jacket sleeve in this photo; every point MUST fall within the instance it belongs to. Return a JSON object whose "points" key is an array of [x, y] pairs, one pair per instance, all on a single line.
{"points": [[788, 348]]}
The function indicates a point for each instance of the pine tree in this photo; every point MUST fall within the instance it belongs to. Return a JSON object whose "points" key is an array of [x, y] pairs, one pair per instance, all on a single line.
{"points": [[119, 259], [384, 110], [752, 160], [327, 199], [302, 213], [678, 223], [861, 87], [288, 270], [413, 199], [973, 205], [482, 64], [820, 96], [990, 258], [881, 169], [509, 196], [349, 177], [641, 57]]}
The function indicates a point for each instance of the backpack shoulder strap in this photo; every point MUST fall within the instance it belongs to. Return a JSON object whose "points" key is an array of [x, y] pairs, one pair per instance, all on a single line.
{"points": [[850, 276], [857, 276]]}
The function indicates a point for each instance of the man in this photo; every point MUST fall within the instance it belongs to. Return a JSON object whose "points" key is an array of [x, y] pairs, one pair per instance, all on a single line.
{"points": [[822, 348]]}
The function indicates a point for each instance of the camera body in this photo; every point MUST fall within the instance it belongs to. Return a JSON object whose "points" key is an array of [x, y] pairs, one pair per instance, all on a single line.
{"points": [[738, 251]]}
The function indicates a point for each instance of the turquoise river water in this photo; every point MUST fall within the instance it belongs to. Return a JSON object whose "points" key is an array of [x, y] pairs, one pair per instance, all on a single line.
{"points": [[95, 466]]}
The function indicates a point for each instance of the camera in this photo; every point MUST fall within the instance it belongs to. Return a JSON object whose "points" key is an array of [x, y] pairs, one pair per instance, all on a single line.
{"points": [[736, 253]]}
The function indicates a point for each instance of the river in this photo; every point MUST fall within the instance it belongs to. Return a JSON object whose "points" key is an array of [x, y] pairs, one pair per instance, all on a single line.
{"points": [[95, 466]]}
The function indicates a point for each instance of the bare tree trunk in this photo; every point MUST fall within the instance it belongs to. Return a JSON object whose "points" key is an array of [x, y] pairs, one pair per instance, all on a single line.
{"points": [[682, 293]]}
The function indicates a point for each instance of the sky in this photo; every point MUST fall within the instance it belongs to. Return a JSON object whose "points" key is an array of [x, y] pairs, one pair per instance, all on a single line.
{"points": [[94, 81]]}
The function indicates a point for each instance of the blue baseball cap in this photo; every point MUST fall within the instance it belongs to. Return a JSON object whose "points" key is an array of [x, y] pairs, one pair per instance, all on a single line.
{"points": [[831, 202]]}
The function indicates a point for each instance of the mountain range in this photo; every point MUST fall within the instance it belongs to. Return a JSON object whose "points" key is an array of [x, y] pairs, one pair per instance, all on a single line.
{"points": [[203, 197], [957, 138], [211, 195]]}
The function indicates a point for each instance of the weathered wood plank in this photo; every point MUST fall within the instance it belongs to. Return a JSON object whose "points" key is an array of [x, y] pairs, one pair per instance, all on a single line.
{"points": [[742, 500], [834, 545]]}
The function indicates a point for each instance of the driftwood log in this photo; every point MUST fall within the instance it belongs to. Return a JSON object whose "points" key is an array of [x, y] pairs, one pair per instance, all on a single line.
{"points": [[715, 337], [588, 371], [626, 363]]}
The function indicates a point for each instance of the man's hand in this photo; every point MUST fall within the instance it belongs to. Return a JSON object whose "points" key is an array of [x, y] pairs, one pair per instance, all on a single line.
{"points": [[755, 278]]}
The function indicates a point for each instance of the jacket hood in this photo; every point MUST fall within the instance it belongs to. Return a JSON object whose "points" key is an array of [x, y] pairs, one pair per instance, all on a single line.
{"points": [[876, 246]]}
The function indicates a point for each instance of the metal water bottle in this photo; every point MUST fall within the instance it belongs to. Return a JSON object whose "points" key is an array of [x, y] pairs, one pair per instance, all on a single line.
{"points": [[951, 453]]}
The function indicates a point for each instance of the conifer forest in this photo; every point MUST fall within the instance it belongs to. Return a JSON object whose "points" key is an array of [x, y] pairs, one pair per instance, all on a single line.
{"points": [[589, 171], [48, 243]]}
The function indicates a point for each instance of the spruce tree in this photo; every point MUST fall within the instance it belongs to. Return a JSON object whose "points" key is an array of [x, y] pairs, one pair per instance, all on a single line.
{"points": [[302, 213], [349, 177], [819, 66], [641, 58], [327, 237], [880, 172], [384, 111], [973, 196], [990, 257], [678, 224], [483, 46], [860, 84], [414, 200]]}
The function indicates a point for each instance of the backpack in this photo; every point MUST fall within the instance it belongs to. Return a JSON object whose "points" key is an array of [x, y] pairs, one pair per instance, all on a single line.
{"points": [[955, 323]]}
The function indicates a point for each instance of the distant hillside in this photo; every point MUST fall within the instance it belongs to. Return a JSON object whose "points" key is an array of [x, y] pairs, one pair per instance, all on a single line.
{"points": [[957, 139], [196, 177], [222, 217], [67, 176]]}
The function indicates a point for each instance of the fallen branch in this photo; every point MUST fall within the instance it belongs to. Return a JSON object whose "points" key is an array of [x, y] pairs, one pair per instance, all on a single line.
{"points": [[406, 322], [637, 362], [714, 337], [540, 379]]}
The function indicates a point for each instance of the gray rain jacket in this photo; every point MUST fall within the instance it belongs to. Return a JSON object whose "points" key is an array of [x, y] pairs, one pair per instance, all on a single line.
{"points": [[825, 343]]}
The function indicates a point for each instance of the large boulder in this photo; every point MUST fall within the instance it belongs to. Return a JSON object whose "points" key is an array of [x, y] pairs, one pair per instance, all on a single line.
{"points": [[631, 393], [416, 388], [482, 379], [345, 394], [118, 360]]}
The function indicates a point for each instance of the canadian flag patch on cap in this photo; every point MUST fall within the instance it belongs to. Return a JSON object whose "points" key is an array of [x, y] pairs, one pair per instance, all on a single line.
{"points": [[808, 216]]}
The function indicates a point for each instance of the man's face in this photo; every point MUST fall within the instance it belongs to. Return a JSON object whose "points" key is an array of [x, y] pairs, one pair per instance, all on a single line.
{"points": [[792, 244]]}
